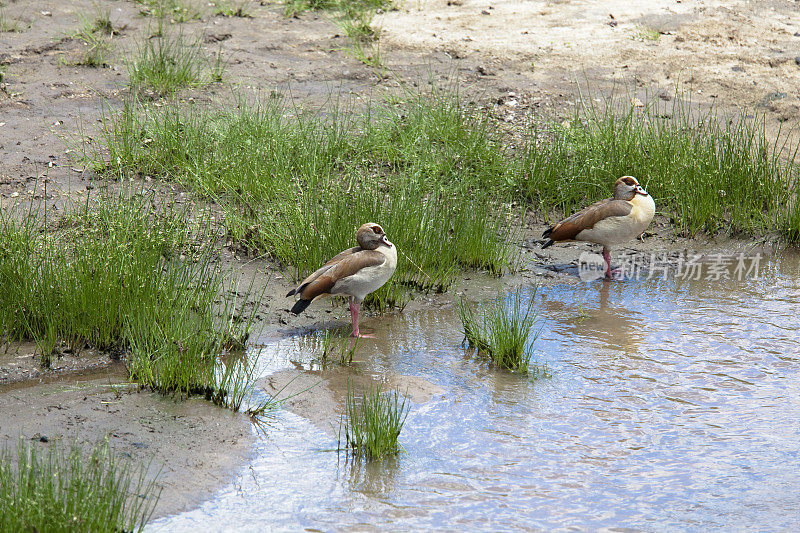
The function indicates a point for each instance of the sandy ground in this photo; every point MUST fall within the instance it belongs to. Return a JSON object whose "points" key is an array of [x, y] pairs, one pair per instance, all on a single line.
{"points": [[733, 54], [516, 57]]}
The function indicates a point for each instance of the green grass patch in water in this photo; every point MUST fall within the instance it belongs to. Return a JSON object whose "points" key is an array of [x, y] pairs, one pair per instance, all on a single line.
{"points": [[373, 423], [503, 331]]}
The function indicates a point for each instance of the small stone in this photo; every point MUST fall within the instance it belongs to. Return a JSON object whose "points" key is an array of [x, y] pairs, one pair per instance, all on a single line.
{"points": [[771, 97], [797, 61]]}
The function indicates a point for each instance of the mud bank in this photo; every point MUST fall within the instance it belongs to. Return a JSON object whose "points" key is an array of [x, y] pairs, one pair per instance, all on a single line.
{"points": [[196, 446]]}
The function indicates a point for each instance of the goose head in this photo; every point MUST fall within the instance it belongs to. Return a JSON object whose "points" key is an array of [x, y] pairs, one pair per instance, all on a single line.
{"points": [[370, 236], [627, 187]]}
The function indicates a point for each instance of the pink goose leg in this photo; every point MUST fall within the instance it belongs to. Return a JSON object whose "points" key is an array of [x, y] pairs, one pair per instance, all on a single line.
{"points": [[607, 257], [354, 309], [609, 271]]}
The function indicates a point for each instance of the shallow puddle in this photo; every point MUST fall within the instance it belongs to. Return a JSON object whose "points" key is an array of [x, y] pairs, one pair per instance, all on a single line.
{"points": [[672, 405]]}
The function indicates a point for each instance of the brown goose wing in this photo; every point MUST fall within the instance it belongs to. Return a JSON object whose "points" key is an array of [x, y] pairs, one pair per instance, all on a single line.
{"points": [[324, 268], [346, 266], [586, 218]]}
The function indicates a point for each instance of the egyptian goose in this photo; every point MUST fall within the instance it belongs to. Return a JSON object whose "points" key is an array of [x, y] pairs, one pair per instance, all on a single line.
{"points": [[355, 272], [610, 221]]}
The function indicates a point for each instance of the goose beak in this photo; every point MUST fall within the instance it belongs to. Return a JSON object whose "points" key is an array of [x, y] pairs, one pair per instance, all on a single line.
{"points": [[385, 241], [640, 190]]}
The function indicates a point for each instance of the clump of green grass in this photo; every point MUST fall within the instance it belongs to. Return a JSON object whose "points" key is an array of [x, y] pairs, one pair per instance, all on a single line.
{"points": [[96, 34], [359, 27], [330, 346], [236, 380], [355, 18], [338, 348], [708, 173], [175, 11], [346, 6], [170, 60], [373, 423], [7, 24], [643, 33], [418, 169], [791, 225], [58, 490], [503, 331], [296, 7], [363, 39], [128, 278], [230, 8], [100, 22]]}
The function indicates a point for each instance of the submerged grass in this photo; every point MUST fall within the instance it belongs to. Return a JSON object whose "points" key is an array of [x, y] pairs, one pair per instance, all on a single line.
{"points": [[710, 173], [127, 277], [373, 423], [337, 348], [63, 490], [503, 331], [295, 185]]}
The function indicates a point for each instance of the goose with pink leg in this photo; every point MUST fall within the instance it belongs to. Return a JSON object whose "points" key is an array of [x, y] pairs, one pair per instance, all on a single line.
{"points": [[355, 272], [608, 222]]}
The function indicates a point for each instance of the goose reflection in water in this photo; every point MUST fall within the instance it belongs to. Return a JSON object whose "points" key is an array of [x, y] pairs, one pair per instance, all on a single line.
{"points": [[600, 319]]}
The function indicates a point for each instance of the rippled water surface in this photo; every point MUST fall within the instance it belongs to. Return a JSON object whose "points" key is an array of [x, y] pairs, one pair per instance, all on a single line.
{"points": [[672, 406]]}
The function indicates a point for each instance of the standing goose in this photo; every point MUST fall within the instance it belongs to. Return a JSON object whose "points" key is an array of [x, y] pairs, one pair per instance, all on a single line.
{"points": [[355, 272], [610, 221]]}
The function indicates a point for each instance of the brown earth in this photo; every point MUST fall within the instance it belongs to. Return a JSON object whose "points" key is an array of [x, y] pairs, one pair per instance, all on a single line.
{"points": [[514, 57]]}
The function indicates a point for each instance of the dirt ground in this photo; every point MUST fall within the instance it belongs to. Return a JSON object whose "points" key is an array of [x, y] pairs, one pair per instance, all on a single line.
{"points": [[517, 57]]}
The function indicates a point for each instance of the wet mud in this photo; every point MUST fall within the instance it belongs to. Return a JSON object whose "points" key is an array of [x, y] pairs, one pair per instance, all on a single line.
{"points": [[193, 447]]}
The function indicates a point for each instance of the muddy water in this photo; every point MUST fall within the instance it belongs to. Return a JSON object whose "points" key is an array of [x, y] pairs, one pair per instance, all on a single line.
{"points": [[673, 405]]}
